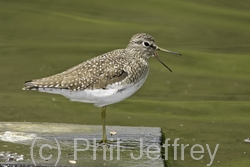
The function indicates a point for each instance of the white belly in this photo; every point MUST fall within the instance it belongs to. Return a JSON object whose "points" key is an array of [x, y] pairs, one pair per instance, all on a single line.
{"points": [[100, 97]]}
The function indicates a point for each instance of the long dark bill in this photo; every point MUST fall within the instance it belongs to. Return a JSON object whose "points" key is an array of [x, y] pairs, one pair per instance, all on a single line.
{"points": [[164, 50]]}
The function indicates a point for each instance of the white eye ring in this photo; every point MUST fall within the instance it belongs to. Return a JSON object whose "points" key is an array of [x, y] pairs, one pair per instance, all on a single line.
{"points": [[146, 44]]}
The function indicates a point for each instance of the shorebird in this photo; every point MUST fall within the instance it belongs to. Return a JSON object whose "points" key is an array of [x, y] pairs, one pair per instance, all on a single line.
{"points": [[105, 79]]}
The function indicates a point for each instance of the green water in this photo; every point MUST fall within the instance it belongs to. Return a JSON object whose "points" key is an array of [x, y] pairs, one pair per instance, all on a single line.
{"points": [[204, 101]]}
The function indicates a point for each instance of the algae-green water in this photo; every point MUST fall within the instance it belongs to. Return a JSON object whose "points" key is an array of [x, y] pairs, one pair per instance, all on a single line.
{"points": [[204, 101]]}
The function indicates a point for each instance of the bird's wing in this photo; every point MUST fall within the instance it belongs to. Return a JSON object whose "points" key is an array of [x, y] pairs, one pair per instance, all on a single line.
{"points": [[96, 73]]}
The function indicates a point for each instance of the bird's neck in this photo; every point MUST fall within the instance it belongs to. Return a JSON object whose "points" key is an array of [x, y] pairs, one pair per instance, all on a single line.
{"points": [[138, 53]]}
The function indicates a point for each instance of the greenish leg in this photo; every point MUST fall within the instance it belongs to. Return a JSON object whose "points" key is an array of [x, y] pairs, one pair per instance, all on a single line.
{"points": [[103, 114]]}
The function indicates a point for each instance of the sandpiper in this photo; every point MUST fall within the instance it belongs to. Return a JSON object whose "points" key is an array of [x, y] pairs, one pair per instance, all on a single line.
{"points": [[105, 79]]}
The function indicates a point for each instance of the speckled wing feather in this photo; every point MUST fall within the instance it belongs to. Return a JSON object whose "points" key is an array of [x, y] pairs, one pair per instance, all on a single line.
{"points": [[95, 73]]}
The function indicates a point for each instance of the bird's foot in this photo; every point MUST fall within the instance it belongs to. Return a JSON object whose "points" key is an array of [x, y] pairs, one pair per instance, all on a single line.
{"points": [[103, 141]]}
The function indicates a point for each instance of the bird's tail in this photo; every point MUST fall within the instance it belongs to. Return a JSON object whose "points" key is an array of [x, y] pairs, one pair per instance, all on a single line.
{"points": [[29, 85]]}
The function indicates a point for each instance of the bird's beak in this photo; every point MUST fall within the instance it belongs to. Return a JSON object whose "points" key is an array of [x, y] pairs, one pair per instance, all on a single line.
{"points": [[164, 50]]}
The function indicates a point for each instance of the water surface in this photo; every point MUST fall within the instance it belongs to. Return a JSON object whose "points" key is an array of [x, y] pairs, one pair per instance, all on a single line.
{"points": [[204, 101]]}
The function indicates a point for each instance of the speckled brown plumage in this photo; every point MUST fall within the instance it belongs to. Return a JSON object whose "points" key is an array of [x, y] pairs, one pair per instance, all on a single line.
{"points": [[95, 73], [122, 65]]}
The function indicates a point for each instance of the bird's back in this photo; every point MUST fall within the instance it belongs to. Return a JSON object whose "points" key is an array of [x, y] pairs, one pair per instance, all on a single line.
{"points": [[95, 73]]}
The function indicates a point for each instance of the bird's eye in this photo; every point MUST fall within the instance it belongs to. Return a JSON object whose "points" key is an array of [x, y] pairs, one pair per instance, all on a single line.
{"points": [[145, 44]]}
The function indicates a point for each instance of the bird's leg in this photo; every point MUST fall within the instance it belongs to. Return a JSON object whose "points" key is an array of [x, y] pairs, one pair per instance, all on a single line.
{"points": [[103, 114]]}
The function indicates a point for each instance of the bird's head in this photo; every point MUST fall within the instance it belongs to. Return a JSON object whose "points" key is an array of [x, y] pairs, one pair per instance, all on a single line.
{"points": [[145, 45]]}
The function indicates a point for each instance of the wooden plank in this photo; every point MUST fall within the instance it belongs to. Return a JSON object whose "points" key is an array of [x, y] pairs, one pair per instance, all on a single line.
{"points": [[77, 145]]}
